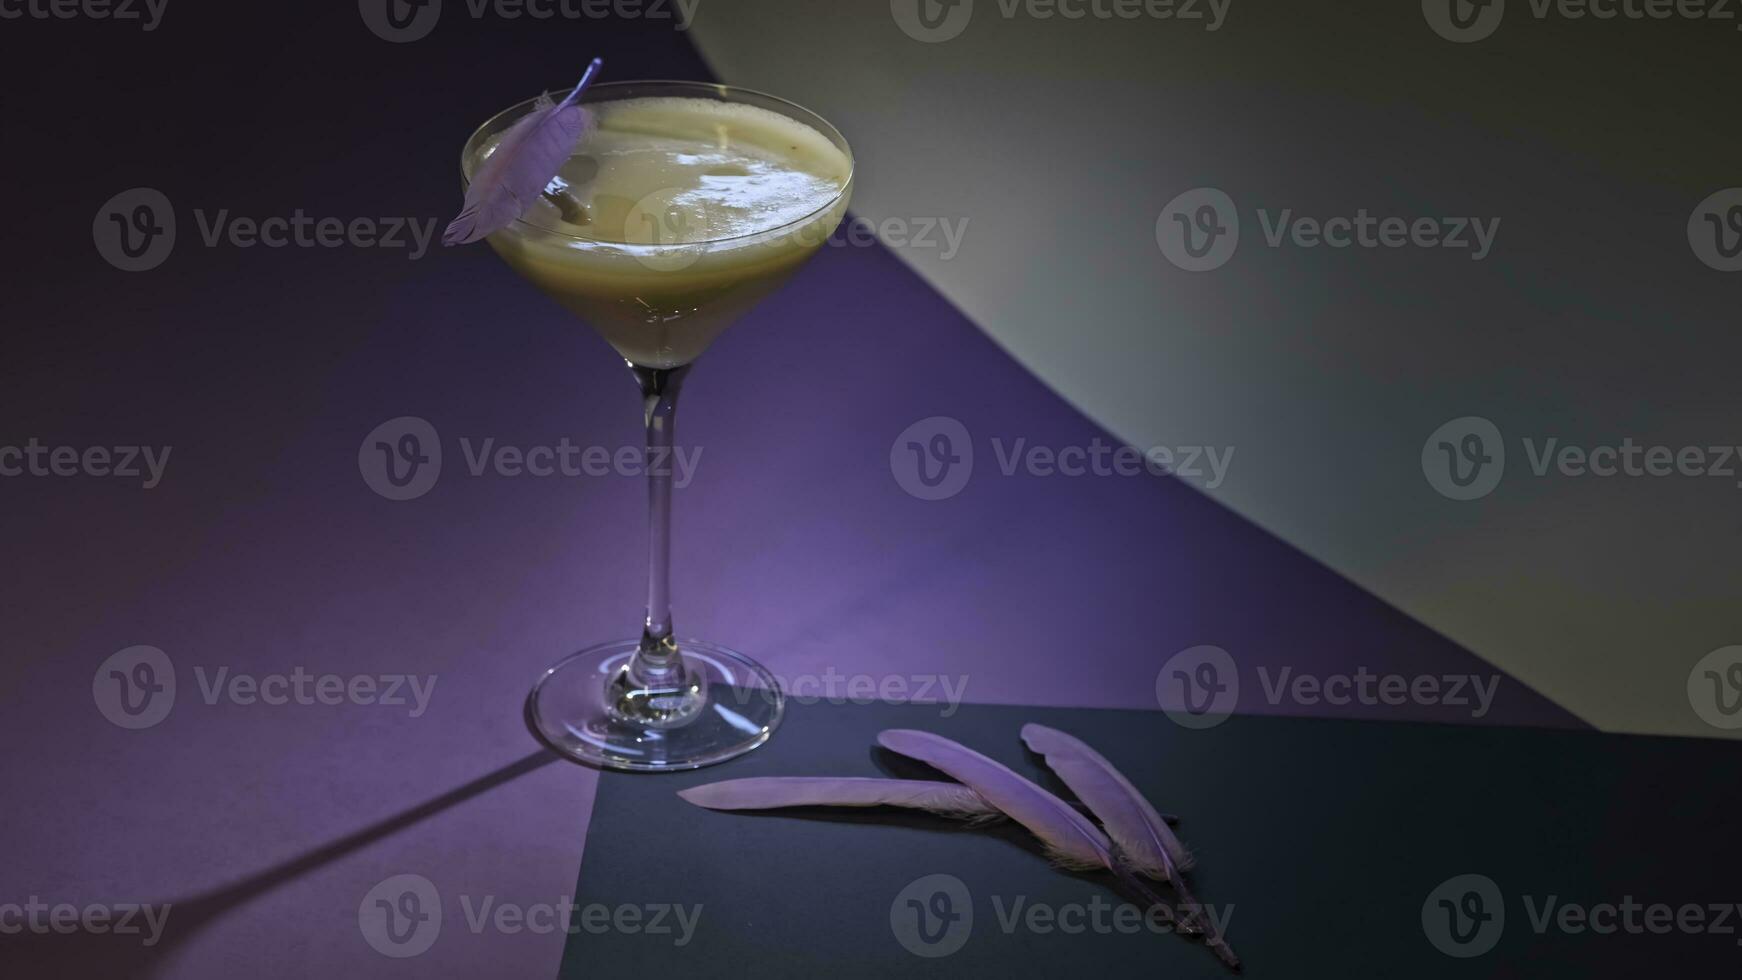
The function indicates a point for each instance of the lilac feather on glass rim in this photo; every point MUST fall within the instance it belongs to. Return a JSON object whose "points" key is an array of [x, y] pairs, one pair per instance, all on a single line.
{"points": [[525, 159]]}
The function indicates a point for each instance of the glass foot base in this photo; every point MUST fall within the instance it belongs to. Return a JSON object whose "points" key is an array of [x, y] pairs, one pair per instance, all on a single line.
{"points": [[575, 710]]}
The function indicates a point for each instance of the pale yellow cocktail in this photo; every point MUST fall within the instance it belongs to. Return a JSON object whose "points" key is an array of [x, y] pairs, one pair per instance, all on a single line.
{"points": [[676, 215]]}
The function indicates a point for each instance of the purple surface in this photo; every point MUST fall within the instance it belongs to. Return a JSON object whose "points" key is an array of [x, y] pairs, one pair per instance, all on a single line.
{"points": [[264, 550]]}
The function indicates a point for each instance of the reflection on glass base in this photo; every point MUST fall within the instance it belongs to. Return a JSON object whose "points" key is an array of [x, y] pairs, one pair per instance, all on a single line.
{"points": [[571, 710]]}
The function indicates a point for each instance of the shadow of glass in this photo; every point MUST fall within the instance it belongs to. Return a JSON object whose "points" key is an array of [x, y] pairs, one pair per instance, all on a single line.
{"points": [[81, 955]]}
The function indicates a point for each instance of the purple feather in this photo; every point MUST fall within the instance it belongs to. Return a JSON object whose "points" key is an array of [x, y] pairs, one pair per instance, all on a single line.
{"points": [[945, 799], [1140, 836], [525, 159], [1132, 823], [1070, 839]]}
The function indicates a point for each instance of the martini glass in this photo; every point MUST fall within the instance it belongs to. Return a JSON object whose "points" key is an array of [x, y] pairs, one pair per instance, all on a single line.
{"points": [[684, 205]]}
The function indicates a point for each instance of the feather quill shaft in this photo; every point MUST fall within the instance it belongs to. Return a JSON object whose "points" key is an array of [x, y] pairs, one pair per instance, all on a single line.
{"points": [[525, 159]]}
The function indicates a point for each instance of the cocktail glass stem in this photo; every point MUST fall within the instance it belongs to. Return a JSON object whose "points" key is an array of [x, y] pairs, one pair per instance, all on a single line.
{"points": [[655, 688], [659, 391]]}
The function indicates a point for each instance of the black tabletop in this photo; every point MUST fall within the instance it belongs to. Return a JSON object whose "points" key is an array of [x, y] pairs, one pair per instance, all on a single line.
{"points": [[1331, 848]]}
